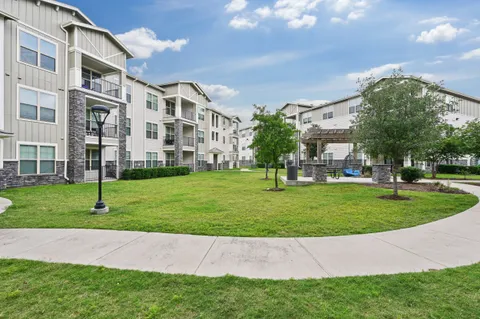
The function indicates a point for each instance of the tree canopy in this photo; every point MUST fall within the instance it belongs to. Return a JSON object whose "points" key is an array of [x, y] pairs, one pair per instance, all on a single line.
{"points": [[471, 137], [399, 117]]}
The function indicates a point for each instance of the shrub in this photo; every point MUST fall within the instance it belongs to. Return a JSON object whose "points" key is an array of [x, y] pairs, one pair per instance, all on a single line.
{"points": [[155, 172], [411, 174], [458, 169], [367, 170]]}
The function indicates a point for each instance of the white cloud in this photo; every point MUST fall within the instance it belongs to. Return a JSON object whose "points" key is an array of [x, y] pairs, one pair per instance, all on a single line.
{"points": [[475, 22], [242, 23], [306, 21], [138, 70], [264, 12], [293, 9], [436, 62], [236, 5], [442, 33], [474, 54], [355, 15], [376, 72], [347, 5], [337, 20], [219, 92], [311, 102], [473, 40], [244, 113], [143, 43], [438, 20]]}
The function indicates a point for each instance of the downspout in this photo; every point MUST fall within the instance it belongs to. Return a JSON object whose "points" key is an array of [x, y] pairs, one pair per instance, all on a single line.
{"points": [[65, 138], [145, 124]]}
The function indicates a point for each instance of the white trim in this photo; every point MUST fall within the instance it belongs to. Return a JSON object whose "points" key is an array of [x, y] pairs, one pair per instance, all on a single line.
{"points": [[158, 131], [19, 86], [152, 152], [185, 98], [41, 32], [114, 55], [2, 82], [93, 56], [38, 52], [38, 144], [158, 100], [102, 97]]}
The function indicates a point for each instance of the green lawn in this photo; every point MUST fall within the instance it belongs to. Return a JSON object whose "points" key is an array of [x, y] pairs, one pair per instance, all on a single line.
{"points": [[227, 203], [40, 290], [454, 176]]}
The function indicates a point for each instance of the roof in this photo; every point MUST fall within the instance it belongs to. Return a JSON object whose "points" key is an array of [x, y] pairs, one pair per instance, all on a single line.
{"points": [[7, 16], [216, 151], [223, 114], [332, 102], [145, 82], [195, 85], [298, 104], [315, 133], [67, 6], [102, 30], [5, 134]]}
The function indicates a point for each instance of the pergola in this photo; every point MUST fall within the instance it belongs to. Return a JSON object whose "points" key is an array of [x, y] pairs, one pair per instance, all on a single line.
{"points": [[319, 136]]}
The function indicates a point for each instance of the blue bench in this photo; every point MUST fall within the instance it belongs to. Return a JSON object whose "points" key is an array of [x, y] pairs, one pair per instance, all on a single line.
{"points": [[348, 172]]}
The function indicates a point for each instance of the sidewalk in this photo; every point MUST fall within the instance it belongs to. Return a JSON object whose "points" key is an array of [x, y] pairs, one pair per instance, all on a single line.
{"points": [[451, 242]]}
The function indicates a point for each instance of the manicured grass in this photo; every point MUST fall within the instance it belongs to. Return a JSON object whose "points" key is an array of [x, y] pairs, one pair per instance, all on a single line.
{"points": [[454, 176], [39, 290], [227, 203]]}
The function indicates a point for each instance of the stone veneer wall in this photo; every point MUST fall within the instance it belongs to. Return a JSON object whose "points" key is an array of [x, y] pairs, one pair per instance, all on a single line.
{"points": [[307, 170], [76, 136], [202, 166], [9, 176], [178, 127], [319, 173], [195, 157], [381, 174], [122, 138]]}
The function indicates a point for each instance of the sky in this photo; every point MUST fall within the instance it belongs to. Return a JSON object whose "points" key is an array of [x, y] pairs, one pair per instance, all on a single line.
{"points": [[246, 52]]}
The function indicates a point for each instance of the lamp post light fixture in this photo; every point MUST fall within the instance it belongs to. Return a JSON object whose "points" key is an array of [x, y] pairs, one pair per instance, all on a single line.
{"points": [[100, 113]]}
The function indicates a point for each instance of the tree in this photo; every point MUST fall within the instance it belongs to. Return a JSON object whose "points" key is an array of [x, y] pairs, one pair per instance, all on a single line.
{"points": [[447, 145], [399, 117], [259, 111], [273, 139], [471, 137]]}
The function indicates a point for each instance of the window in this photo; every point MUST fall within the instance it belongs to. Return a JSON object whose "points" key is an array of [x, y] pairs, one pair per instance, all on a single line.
{"points": [[243, 148], [129, 127], [328, 115], [129, 93], [37, 159], [152, 131], [170, 110], [201, 157], [243, 134], [224, 121], [201, 137], [37, 51], [224, 140], [213, 136], [128, 160], [351, 109], [216, 137], [216, 124], [201, 114], [91, 80], [169, 159], [328, 158], [91, 160], [251, 133], [37, 106], [151, 160], [152, 102]]}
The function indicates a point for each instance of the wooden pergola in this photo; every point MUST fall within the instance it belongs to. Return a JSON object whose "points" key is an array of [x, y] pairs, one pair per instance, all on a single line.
{"points": [[319, 136]]}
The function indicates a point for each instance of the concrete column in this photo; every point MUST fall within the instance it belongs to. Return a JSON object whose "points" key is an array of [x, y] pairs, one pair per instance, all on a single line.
{"points": [[319, 151], [178, 107], [308, 153], [178, 126], [319, 173], [381, 173]]}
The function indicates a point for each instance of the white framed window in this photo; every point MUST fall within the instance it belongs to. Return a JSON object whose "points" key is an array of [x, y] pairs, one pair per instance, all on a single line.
{"points": [[129, 127], [201, 156], [170, 110], [201, 137], [201, 114], [152, 131], [151, 159], [129, 93], [327, 115], [36, 159], [128, 160], [37, 51], [328, 158], [152, 102], [37, 105]]}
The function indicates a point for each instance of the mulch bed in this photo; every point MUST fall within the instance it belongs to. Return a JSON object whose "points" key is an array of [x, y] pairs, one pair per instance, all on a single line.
{"points": [[275, 189], [394, 197], [420, 187]]}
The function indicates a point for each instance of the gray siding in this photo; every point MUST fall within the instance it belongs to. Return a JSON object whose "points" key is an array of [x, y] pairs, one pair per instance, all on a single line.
{"points": [[100, 45]]}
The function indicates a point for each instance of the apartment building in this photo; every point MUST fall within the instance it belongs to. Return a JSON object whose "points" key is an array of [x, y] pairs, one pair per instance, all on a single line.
{"points": [[247, 155], [339, 114], [57, 64]]}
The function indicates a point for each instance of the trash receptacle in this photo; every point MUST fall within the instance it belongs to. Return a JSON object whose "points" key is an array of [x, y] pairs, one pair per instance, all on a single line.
{"points": [[292, 173]]}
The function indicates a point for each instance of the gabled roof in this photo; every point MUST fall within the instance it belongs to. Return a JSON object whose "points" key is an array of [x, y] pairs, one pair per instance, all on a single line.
{"points": [[145, 82], [67, 6], [194, 84], [101, 30], [7, 16], [216, 151]]}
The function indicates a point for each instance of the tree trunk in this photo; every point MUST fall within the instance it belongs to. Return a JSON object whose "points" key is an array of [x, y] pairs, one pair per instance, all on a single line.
{"points": [[395, 182], [276, 178], [266, 171], [434, 171]]}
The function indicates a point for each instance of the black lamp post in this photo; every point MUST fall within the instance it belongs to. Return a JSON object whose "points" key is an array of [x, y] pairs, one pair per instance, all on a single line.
{"points": [[100, 113]]}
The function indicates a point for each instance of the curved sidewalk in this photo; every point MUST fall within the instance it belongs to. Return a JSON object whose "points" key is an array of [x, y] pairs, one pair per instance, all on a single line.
{"points": [[451, 242]]}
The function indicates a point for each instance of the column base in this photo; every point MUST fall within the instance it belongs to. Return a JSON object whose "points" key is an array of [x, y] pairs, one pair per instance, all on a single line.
{"points": [[101, 211]]}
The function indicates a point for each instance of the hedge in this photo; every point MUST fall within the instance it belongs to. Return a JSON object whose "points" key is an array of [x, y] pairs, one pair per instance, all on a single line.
{"points": [[156, 172], [262, 165], [458, 169]]}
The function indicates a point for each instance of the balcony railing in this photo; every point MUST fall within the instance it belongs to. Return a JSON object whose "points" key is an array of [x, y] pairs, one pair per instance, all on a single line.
{"points": [[188, 115], [188, 141], [169, 141], [169, 112], [103, 86], [109, 130]]}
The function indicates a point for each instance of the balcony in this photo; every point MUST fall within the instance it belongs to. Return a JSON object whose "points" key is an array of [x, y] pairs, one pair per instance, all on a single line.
{"points": [[235, 148], [188, 141], [169, 140], [189, 115], [109, 130], [102, 86]]}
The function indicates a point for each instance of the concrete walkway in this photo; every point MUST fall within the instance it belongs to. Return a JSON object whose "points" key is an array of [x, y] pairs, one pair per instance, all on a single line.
{"points": [[451, 242], [4, 204]]}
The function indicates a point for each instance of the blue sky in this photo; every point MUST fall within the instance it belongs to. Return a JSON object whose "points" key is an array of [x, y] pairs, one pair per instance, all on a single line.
{"points": [[290, 50]]}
